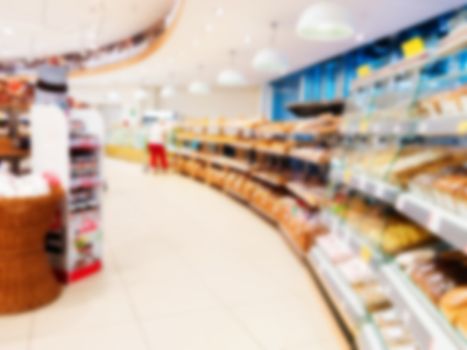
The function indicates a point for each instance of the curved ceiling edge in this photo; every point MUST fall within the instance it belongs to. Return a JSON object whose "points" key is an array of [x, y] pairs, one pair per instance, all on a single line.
{"points": [[156, 43]]}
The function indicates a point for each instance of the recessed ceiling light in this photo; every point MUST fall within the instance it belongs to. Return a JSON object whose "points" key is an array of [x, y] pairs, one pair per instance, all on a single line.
{"points": [[219, 11], [208, 28], [7, 31]]}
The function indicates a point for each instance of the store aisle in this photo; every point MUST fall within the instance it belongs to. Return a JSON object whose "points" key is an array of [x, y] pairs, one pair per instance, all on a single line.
{"points": [[187, 268]]}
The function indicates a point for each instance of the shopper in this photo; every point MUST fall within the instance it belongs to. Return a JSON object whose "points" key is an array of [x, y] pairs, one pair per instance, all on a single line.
{"points": [[156, 146]]}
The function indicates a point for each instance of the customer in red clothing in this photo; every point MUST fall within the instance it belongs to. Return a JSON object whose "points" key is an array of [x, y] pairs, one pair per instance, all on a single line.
{"points": [[156, 146]]}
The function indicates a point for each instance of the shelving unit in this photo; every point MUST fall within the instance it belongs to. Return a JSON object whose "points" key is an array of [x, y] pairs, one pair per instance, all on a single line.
{"points": [[70, 148]]}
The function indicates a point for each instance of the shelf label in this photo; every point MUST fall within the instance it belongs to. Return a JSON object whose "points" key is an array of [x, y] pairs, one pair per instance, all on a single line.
{"points": [[363, 126], [366, 254], [413, 47], [364, 70], [347, 176], [462, 128]]}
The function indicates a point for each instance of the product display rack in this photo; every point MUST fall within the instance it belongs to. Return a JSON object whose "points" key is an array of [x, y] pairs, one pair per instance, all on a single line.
{"points": [[69, 146], [402, 129]]}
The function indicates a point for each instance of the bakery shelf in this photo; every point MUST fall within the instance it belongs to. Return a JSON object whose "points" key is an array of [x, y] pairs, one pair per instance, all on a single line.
{"points": [[359, 244], [337, 287], [453, 43], [302, 191], [443, 126], [376, 188], [429, 327], [448, 226], [269, 178], [369, 338], [263, 213], [272, 150], [304, 155], [230, 163], [291, 242], [455, 125]]}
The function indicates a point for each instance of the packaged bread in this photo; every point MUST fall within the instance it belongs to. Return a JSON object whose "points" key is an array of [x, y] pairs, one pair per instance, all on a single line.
{"points": [[453, 303]]}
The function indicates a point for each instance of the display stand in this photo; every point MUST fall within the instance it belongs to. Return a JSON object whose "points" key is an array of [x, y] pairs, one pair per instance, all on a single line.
{"points": [[69, 148]]}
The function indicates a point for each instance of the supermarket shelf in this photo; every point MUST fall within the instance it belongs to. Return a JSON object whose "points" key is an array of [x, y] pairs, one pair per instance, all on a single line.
{"points": [[268, 178], [84, 144], [230, 163], [448, 226], [272, 151], [317, 159], [236, 196], [370, 338], [430, 127], [301, 191], [291, 242], [376, 188], [361, 246], [340, 291], [85, 182], [430, 329], [262, 213], [455, 42], [443, 126]]}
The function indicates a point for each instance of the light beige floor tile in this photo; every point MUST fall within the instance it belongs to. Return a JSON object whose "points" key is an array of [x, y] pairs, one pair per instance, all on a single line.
{"points": [[173, 296], [15, 327], [206, 330], [118, 337], [14, 344]]}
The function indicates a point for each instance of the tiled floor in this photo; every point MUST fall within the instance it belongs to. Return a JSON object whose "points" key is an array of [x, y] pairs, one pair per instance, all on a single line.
{"points": [[187, 268]]}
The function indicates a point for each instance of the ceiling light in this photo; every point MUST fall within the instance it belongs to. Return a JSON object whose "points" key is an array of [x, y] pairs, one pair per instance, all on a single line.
{"points": [[199, 87], [140, 94], [231, 77], [168, 91], [325, 21], [219, 11], [247, 40], [271, 61]]}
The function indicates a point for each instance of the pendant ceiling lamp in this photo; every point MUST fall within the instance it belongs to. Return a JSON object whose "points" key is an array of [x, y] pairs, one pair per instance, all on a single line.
{"points": [[325, 21], [198, 86], [269, 60], [169, 90], [230, 76], [140, 94]]}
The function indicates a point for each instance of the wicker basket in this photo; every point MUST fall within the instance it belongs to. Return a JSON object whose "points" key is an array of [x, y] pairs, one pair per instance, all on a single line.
{"points": [[26, 278]]}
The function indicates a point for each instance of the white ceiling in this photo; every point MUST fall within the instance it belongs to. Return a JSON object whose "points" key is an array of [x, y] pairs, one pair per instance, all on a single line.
{"points": [[205, 37], [30, 28]]}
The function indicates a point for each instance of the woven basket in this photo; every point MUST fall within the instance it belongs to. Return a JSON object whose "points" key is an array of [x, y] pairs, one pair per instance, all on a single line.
{"points": [[26, 278]]}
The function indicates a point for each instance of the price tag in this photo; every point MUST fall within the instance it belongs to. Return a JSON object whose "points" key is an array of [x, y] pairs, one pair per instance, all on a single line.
{"points": [[347, 175], [462, 128], [363, 127], [366, 254], [364, 70], [413, 47]]}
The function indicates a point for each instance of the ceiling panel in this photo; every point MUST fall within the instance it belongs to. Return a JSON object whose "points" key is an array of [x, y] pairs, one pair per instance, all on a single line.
{"points": [[192, 44]]}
